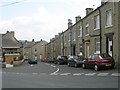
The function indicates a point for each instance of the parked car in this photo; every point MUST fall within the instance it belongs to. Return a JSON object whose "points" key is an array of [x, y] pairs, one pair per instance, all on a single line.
{"points": [[32, 61], [45, 59], [61, 60], [75, 61], [51, 60], [99, 61]]}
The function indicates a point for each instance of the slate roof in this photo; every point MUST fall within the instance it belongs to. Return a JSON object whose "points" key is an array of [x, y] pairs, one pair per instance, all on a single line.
{"points": [[10, 42], [27, 44], [6, 42]]}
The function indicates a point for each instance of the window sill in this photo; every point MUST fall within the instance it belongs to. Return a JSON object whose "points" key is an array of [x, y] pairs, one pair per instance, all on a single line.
{"points": [[96, 29], [87, 35], [80, 36], [108, 26]]}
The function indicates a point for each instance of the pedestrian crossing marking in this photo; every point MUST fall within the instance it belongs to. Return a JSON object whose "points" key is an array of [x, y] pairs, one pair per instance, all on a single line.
{"points": [[115, 74], [90, 74], [65, 74], [74, 74], [34, 73], [78, 74], [54, 73], [102, 74]]}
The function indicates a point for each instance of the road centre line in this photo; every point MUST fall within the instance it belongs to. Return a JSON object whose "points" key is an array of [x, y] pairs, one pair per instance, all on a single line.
{"points": [[78, 74]]}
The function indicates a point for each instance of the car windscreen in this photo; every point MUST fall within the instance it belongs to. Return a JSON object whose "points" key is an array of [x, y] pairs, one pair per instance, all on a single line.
{"points": [[81, 57], [106, 56], [74, 57], [63, 57]]}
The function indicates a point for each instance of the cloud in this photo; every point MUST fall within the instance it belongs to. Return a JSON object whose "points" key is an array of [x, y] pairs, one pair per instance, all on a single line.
{"points": [[47, 21], [40, 25]]}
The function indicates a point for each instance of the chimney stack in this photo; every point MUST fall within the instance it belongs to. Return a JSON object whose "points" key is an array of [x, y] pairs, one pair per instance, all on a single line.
{"points": [[104, 1], [12, 33], [78, 18], [69, 23], [88, 10]]}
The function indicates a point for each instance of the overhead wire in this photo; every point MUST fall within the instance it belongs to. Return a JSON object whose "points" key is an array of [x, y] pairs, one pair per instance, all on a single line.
{"points": [[12, 3]]}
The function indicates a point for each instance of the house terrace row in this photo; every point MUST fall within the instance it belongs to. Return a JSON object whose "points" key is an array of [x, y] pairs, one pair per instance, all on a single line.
{"points": [[97, 32]]}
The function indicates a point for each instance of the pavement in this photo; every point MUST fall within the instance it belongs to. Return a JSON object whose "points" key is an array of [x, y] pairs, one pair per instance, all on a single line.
{"points": [[16, 63]]}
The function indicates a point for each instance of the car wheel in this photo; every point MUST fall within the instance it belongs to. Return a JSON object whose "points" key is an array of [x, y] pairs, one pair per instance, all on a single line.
{"points": [[75, 65], [83, 66], [96, 68], [68, 64]]}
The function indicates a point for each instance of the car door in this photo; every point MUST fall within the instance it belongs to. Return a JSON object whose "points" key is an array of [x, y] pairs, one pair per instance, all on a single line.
{"points": [[69, 61], [73, 61], [92, 61], [88, 61]]}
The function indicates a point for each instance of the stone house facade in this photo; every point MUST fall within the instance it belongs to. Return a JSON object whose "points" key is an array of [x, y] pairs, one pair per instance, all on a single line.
{"points": [[32, 49], [10, 48], [97, 32]]}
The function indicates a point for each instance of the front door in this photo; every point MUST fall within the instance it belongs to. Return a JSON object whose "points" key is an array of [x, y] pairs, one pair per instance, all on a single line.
{"points": [[110, 46], [87, 49]]}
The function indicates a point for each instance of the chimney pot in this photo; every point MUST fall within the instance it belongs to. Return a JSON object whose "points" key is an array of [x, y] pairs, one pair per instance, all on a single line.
{"points": [[69, 23], [78, 18], [88, 10]]}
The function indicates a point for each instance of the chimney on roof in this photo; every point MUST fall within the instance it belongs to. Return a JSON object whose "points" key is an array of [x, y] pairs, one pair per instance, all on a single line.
{"points": [[25, 41], [33, 41], [78, 18], [69, 23], [12, 33], [7, 31], [56, 36], [88, 10], [104, 1]]}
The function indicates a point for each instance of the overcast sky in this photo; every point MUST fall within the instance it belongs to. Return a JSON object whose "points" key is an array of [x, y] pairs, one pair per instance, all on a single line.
{"points": [[41, 19]]}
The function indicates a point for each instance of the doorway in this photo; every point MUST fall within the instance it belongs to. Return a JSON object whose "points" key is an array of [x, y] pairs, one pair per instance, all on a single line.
{"points": [[109, 45]]}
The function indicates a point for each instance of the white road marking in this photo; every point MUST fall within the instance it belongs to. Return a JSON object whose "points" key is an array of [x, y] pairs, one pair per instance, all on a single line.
{"points": [[54, 73], [53, 66], [31, 65], [42, 73], [65, 74], [17, 73], [78, 74], [102, 74], [47, 64], [90, 74], [34, 73], [115, 74]]}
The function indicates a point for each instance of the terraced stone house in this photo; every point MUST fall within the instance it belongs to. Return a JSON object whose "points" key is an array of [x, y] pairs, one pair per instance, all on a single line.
{"points": [[10, 47], [97, 32]]}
